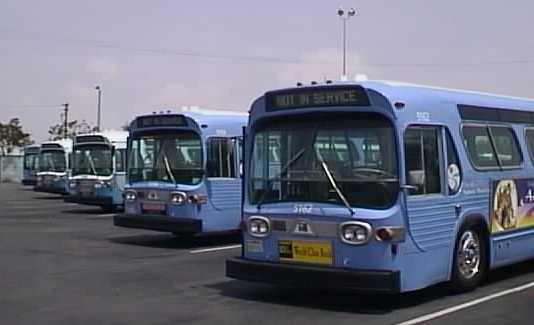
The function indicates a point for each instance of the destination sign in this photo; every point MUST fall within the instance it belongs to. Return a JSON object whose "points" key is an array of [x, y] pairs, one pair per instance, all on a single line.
{"points": [[317, 97], [161, 120], [90, 139]]}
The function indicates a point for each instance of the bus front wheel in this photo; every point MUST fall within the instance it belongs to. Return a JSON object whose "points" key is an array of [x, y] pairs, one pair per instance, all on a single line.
{"points": [[470, 259]]}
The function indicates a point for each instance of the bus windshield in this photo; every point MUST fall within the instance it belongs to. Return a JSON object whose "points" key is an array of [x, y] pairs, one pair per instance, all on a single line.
{"points": [[31, 161], [175, 158], [92, 160], [52, 161], [289, 160]]}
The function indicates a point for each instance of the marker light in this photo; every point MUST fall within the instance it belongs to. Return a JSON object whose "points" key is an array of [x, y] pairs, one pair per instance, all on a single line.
{"points": [[178, 198], [130, 195], [355, 233], [391, 234], [258, 226]]}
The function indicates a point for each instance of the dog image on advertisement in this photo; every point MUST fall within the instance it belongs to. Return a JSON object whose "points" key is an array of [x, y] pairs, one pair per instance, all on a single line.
{"points": [[504, 209]]}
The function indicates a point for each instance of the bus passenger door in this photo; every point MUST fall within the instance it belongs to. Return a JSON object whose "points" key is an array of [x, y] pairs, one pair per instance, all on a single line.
{"points": [[223, 182], [429, 201]]}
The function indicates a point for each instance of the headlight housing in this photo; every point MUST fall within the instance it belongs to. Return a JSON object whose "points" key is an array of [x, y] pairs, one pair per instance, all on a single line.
{"points": [[101, 184], [130, 195], [355, 232], [259, 226], [178, 198], [73, 184]]}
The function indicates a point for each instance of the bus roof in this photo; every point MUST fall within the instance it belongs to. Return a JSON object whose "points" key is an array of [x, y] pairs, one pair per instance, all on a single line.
{"points": [[426, 98], [211, 123], [66, 144], [400, 91], [112, 136]]}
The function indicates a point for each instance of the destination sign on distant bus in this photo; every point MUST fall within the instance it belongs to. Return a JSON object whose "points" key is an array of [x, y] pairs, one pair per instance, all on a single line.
{"points": [[90, 139], [317, 97], [161, 120]]}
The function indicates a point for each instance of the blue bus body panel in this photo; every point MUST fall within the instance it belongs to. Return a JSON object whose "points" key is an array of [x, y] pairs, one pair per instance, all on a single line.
{"points": [[432, 221]]}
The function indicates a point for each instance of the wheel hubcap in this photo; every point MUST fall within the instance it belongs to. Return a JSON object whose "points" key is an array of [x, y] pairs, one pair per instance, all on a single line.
{"points": [[468, 255]]}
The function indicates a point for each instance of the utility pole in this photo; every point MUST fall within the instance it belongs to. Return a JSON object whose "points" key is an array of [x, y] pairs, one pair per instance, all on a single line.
{"points": [[98, 115], [345, 15], [66, 122]]}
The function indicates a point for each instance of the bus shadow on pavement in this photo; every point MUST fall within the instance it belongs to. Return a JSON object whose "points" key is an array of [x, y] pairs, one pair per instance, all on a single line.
{"points": [[329, 300], [85, 210], [165, 240], [353, 302], [49, 197]]}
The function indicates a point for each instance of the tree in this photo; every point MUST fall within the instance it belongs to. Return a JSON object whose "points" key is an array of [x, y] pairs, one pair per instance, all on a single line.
{"points": [[12, 136], [74, 128]]}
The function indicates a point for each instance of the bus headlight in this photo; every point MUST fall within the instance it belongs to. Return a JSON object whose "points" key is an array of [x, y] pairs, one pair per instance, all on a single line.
{"points": [[178, 198], [130, 195], [259, 226], [102, 184], [355, 233]]}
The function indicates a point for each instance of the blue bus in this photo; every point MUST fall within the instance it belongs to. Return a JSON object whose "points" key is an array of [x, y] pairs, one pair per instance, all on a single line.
{"points": [[385, 187], [184, 173], [98, 172], [30, 165], [54, 162]]}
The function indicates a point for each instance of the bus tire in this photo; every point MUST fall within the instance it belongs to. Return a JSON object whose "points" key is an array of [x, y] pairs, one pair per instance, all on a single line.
{"points": [[470, 262]]}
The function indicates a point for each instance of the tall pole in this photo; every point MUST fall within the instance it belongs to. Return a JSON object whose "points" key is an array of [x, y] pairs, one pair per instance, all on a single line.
{"points": [[98, 114], [66, 123], [344, 47], [345, 15]]}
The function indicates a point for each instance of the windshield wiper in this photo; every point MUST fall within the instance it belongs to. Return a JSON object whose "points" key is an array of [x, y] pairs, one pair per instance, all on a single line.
{"points": [[91, 163], [282, 171], [333, 182], [168, 167]]}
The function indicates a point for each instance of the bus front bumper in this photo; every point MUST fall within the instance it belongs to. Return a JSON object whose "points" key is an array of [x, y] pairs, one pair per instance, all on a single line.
{"points": [[89, 200], [50, 189], [158, 223], [317, 277]]}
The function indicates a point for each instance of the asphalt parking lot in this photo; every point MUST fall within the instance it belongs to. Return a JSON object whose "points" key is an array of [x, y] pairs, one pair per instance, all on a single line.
{"points": [[62, 263]]}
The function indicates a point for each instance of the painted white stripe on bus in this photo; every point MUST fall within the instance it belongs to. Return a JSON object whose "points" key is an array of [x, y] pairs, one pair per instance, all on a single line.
{"points": [[214, 249], [441, 313]]}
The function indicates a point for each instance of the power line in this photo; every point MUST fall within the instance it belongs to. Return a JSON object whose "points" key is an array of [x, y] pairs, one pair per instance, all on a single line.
{"points": [[33, 106], [270, 60]]}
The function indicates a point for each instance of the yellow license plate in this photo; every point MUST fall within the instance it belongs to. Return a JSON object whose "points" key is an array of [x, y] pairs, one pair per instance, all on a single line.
{"points": [[314, 252]]}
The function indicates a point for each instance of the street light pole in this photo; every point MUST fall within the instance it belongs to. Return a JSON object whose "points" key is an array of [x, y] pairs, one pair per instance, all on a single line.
{"points": [[345, 15], [98, 114], [66, 120]]}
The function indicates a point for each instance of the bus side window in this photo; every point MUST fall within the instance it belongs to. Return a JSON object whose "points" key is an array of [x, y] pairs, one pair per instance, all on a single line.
{"points": [[506, 146], [221, 158], [422, 160], [238, 151], [529, 135], [120, 160], [454, 170], [479, 148]]}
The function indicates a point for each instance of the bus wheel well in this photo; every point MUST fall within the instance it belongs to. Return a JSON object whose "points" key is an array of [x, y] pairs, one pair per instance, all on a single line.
{"points": [[478, 223]]}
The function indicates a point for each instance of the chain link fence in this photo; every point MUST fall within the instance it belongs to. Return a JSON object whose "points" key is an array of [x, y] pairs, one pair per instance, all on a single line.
{"points": [[11, 168]]}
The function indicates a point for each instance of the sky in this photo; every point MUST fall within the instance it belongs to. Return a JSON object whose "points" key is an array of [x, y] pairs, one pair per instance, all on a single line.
{"points": [[165, 54]]}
